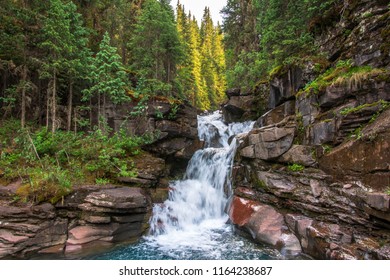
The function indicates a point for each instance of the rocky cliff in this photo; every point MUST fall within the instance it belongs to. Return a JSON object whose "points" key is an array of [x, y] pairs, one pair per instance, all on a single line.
{"points": [[314, 175], [91, 219]]}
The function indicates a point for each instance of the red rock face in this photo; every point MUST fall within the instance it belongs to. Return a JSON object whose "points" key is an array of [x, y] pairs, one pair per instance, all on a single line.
{"points": [[241, 210], [264, 223]]}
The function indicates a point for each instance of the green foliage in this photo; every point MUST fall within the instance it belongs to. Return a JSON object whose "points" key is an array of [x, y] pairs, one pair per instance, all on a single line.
{"points": [[261, 35], [326, 148], [201, 71], [344, 73], [50, 164], [173, 111], [155, 44], [356, 133], [102, 181], [108, 76], [296, 167], [383, 105]]}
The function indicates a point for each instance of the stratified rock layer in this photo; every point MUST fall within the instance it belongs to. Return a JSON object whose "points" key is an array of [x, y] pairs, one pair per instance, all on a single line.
{"points": [[89, 220]]}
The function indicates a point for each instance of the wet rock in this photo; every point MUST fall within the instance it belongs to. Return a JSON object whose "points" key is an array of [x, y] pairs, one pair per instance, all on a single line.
{"points": [[119, 198], [264, 223], [365, 40], [136, 181], [188, 151], [316, 188], [170, 146], [248, 152], [175, 128], [94, 219], [307, 108]]}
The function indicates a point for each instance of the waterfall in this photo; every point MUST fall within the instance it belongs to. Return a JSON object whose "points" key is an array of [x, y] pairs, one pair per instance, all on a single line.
{"points": [[195, 210]]}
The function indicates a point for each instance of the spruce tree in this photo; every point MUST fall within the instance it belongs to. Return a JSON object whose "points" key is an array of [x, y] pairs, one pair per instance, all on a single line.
{"points": [[219, 61], [16, 55], [184, 79], [79, 58], [108, 79], [199, 86]]}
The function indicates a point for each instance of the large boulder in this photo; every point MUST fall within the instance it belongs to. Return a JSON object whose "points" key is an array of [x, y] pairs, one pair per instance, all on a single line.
{"points": [[269, 143], [299, 154], [264, 223]]}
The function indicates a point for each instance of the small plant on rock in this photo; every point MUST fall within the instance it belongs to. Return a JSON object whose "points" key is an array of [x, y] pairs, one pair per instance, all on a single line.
{"points": [[296, 167]]}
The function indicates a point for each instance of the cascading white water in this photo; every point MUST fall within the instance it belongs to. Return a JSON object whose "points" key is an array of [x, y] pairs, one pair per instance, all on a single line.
{"points": [[194, 212]]}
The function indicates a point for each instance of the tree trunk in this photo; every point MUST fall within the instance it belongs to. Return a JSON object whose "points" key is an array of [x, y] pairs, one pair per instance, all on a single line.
{"points": [[23, 105], [104, 114], [75, 120], [47, 108], [90, 113], [99, 111], [70, 106], [53, 108], [169, 73]]}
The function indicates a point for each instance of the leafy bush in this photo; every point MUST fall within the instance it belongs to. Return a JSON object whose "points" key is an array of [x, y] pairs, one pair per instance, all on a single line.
{"points": [[50, 164]]}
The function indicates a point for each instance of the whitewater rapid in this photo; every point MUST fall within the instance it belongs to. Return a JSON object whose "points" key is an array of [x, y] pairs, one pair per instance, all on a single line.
{"points": [[194, 216]]}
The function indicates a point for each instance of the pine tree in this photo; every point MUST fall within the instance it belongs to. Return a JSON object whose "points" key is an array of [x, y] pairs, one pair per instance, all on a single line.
{"points": [[213, 60], [15, 52], [199, 86], [79, 57], [184, 79], [57, 36], [108, 79], [155, 45], [219, 61]]}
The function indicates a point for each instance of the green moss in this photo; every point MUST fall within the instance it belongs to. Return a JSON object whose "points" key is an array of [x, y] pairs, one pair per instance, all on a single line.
{"points": [[344, 73], [259, 184], [277, 71], [296, 167], [384, 106], [300, 128], [356, 134], [351, 110]]}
